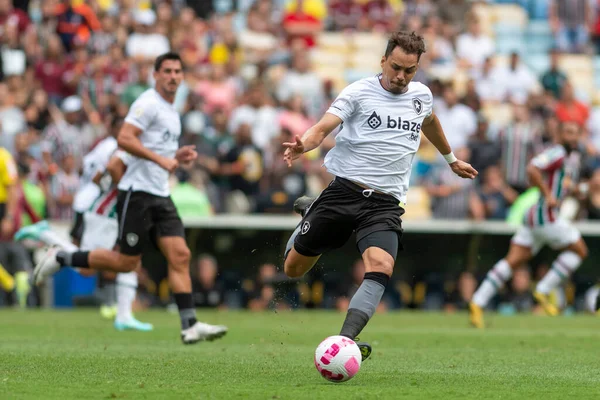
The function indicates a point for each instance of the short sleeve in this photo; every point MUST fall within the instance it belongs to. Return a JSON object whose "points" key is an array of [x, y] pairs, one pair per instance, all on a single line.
{"points": [[124, 156], [427, 102], [141, 114], [550, 159], [345, 104]]}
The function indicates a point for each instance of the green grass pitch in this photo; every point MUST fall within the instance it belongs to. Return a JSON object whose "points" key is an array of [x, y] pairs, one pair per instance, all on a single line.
{"points": [[78, 355]]}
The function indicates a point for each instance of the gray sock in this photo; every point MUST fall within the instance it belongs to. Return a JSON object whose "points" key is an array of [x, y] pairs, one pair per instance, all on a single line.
{"points": [[188, 317], [364, 303], [290, 242], [367, 297], [109, 294]]}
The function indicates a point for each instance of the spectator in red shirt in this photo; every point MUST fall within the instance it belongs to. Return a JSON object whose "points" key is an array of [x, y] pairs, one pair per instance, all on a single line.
{"points": [[345, 14], [49, 71], [570, 109], [299, 25], [12, 16], [381, 16], [118, 70]]}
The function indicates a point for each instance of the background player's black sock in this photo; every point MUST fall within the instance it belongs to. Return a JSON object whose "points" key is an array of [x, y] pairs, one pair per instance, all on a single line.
{"points": [[77, 259], [187, 312], [364, 303]]}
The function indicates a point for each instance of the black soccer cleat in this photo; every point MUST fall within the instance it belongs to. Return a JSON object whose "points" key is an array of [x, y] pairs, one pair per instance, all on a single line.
{"points": [[365, 349], [302, 203]]}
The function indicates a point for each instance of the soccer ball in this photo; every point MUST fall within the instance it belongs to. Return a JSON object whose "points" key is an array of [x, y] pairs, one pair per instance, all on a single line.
{"points": [[337, 358]]}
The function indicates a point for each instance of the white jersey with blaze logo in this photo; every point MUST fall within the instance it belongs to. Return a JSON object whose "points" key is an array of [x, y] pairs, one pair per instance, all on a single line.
{"points": [[380, 134], [161, 127]]}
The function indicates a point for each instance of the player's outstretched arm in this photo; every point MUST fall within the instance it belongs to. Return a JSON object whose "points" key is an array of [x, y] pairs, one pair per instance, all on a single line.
{"points": [[311, 139], [432, 129], [129, 141]]}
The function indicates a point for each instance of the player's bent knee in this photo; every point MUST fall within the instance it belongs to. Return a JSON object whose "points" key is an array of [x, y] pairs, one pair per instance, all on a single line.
{"points": [[180, 257], [294, 271], [378, 260], [381, 265], [296, 265]]}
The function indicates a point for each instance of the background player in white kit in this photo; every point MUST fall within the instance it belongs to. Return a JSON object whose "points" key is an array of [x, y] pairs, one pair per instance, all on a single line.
{"points": [[88, 190], [100, 231], [146, 212], [382, 118], [94, 163], [555, 172]]}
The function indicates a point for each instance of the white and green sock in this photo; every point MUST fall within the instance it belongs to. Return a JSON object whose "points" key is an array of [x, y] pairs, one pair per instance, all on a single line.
{"points": [[565, 264], [493, 282], [126, 291]]}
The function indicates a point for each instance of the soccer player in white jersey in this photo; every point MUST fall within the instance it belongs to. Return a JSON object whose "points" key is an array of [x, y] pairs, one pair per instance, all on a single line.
{"points": [[146, 212], [93, 162], [555, 172], [100, 232], [88, 191], [382, 118]]}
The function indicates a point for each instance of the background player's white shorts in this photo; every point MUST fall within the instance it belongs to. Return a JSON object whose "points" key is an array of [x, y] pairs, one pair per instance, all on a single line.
{"points": [[557, 235], [99, 232]]}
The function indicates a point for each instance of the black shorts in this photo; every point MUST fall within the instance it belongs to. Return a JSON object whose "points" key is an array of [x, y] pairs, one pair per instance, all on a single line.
{"points": [[342, 208], [144, 217], [77, 229]]}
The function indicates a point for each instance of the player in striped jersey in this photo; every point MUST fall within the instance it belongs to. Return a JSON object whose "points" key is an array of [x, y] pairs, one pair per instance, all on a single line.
{"points": [[100, 231], [555, 172]]}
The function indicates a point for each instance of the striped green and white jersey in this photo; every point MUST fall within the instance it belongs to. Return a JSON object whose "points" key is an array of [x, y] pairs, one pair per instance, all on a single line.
{"points": [[106, 203], [560, 172]]}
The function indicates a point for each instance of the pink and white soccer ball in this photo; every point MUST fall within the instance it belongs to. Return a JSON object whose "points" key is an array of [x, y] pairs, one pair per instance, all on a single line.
{"points": [[337, 358]]}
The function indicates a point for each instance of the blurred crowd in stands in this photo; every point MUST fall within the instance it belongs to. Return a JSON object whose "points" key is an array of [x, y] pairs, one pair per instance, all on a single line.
{"points": [[260, 71], [504, 74]]}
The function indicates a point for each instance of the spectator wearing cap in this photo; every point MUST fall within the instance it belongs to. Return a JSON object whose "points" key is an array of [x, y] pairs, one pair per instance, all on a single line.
{"points": [[145, 43]]}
